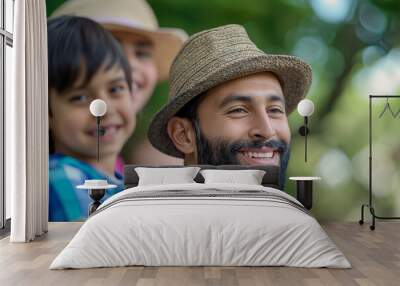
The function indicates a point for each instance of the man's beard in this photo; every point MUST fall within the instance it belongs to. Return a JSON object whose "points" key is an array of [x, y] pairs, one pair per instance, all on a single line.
{"points": [[222, 152]]}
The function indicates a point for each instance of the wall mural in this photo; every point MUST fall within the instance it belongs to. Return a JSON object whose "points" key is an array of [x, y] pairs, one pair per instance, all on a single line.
{"points": [[228, 99]]}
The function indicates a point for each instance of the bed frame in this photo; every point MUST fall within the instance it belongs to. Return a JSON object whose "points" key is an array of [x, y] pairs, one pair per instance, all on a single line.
{"points": [[270, 179]]}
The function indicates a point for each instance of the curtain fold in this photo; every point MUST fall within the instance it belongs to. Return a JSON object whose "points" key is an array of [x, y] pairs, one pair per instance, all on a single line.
{"points": [[27, 124]]}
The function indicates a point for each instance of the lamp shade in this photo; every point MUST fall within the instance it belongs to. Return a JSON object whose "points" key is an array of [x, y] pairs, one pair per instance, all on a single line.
{"points": [[305, 107], [98, 107]]}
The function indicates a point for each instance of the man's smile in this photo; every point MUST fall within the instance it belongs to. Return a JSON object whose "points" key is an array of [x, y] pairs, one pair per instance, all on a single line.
{"points": [[259, 156]]}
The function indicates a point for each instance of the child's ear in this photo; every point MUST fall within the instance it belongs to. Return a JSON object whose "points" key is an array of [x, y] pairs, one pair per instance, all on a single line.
{"points": [[181, 133]]}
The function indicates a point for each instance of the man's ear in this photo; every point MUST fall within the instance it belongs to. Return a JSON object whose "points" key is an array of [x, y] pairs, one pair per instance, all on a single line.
{"points": [[181, 133]]}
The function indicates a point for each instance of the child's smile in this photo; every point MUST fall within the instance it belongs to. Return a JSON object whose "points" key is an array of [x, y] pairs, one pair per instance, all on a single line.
{"points": [[111, 132], [74, 129]]}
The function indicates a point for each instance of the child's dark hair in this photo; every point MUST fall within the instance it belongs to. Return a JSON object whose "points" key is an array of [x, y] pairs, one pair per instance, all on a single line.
{"points": [[76, 42]]}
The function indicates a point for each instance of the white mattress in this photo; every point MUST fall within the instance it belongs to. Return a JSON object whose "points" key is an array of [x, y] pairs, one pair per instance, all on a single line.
{"points": [[181, 230]]}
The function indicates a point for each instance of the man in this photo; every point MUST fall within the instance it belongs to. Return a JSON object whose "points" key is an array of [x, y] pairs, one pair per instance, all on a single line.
{"points": [[229, 102]]}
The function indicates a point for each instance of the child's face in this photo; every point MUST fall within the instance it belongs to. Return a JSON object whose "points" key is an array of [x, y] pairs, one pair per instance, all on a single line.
{"points": [[140, 53], [72, 125]]}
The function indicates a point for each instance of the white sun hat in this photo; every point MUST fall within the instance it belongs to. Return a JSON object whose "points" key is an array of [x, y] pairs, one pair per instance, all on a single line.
{"points": [[131, 16]]}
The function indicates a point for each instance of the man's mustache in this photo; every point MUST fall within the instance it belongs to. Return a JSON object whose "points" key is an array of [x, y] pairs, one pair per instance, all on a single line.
{"points": [[280, 145]]}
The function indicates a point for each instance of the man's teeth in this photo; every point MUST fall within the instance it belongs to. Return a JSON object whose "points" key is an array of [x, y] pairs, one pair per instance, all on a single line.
{"points": [[258, 154]]}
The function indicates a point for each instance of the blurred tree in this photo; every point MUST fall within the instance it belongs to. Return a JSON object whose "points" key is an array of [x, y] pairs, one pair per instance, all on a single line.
{"points": [[340, 39]]}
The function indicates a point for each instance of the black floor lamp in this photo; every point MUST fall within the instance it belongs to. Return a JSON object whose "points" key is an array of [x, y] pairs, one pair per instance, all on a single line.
{"points": [[97, 188], [369, 205], [98, 108], [305, 108]]}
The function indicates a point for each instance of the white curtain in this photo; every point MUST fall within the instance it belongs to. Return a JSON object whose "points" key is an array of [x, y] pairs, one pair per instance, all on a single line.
{"points": [[27, 124]]}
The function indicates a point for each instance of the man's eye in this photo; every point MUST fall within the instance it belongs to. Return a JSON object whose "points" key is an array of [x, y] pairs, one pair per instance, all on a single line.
{"points": [[275, 110], [78, 98], [237, 110]]}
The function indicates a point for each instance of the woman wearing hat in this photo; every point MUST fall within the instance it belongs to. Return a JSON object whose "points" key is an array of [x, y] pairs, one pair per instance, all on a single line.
{"points": [[149, 49]]}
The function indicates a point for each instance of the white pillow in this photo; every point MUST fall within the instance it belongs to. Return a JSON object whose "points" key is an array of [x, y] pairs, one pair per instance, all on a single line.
{"points": [[248, 177], [162, 176]]}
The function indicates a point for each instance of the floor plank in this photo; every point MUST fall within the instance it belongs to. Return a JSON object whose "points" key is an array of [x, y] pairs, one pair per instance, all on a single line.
{"points": [[374, 255]]}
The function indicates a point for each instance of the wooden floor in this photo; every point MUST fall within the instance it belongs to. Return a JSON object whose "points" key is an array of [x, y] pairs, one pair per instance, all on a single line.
{"points": [[374, 255]]}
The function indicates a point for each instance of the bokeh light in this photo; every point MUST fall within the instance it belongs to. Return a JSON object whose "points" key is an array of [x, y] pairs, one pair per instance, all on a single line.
{"points": [[333, 11], [382, 77], [335, 168]]}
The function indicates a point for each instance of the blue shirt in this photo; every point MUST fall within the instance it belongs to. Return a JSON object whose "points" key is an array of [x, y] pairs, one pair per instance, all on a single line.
{"points": [[66, 201]]}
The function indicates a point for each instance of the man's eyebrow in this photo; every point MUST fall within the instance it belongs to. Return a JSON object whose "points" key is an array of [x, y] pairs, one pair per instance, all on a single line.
{"points": [[248, 98], [274, 97], [234, 97]]}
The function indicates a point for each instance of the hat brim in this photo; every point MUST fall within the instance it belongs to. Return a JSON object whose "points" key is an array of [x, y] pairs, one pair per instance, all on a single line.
{"points": [[293, 74], [167, 43]]}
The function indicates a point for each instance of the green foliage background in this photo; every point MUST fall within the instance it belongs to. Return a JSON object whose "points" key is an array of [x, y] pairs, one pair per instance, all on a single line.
{"points": [[342, 53]]}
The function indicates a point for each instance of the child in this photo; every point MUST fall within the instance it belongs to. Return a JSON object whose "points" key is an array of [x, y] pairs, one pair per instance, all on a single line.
{"points": [[85, 63], [149, 49]]}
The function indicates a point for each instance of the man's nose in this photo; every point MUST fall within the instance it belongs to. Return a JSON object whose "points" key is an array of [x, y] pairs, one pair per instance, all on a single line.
{"points": [[262, 128]]}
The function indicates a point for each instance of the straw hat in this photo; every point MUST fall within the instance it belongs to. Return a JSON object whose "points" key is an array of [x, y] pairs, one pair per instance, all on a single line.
{"points": [[131, 16], [212, 57]]}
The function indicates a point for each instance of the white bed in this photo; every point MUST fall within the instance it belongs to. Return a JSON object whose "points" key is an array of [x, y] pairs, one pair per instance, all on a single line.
{"points": [[201, 224]]}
